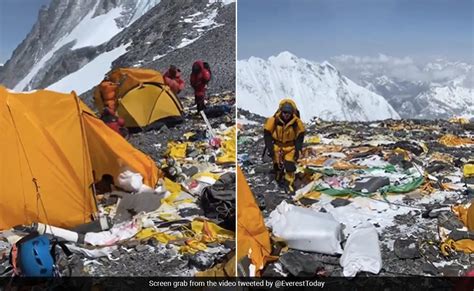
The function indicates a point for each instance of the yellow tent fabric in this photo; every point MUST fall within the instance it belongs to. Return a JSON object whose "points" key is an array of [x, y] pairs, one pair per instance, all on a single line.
{"points": [[111, 154], [465, 214], [143, 97], [47, 163], [450, 140], [253, 239]]}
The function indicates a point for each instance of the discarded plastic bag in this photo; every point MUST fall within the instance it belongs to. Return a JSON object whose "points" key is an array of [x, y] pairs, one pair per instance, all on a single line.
{"points": [[93, 253], [362, 252], [130, 181], [306, 230], [110, 237]]}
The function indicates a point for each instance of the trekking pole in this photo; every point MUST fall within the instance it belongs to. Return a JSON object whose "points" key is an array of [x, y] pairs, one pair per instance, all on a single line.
{"points": [[209, 127]]}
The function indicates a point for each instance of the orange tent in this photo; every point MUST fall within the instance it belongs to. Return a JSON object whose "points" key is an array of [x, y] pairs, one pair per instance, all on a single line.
{"points": [[253, 239], [53, 150]]}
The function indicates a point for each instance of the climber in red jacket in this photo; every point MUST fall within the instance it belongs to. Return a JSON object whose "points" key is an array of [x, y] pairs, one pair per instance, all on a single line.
{"points": [[200, 76], [110, 118], [173, 79]]}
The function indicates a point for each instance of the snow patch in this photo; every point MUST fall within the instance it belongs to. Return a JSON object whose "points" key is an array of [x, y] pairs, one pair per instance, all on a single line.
{"points": [[87, 77], [186, 41], [157, 57], [225, 2], [91, 31], [245, 121], [201, 26], [142, 7]]}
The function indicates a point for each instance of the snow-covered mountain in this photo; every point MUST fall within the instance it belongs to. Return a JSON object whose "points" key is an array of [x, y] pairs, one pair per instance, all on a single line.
{"points": [[319, 90], [438, 89], [74, 43]]}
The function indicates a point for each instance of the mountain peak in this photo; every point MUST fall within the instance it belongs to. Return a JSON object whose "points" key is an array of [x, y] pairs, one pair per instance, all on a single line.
{"points": [[328, 64], [283, 57], [338, 98]]}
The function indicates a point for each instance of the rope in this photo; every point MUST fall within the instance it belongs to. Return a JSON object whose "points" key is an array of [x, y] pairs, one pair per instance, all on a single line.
{"points": [[34, 180]]}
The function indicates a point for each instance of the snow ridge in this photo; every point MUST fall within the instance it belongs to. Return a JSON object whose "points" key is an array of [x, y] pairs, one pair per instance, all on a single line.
{"points": [[319, 90]]}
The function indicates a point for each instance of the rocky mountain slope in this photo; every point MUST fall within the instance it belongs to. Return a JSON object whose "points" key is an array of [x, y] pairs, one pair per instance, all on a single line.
{"points": [[74, 43]]}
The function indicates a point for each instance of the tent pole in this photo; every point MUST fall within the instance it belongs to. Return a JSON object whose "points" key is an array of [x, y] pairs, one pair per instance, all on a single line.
{"points": [[86, 153], [154, 105]]}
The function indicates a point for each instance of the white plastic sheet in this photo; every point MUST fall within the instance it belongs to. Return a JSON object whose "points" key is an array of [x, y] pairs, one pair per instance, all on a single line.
{"points": [[362, 251], [118, 233], [130, 181], [93, 253], [305, 229]]}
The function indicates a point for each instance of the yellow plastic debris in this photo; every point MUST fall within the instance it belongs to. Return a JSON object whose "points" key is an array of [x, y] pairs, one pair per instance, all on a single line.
{"points": [[149, 233], [168, 216], [206, 174], [464, 245], [211, 232], [450, 140], [228, 147], [177, 150], [404, 153], [311, 195], [460, 120], [343, 165], [173, 188], [441, 157], [465, 214], [188, 135], [192, 246], [468, 170], [313, 139], [228, 154]]}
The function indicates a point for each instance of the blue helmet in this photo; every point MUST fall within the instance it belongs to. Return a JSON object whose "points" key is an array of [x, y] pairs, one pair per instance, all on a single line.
{"points": [[35, 257]]}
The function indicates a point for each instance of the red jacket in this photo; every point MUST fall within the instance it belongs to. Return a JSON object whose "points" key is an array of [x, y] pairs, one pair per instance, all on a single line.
{"points": [[199, 80], [176, 84]]}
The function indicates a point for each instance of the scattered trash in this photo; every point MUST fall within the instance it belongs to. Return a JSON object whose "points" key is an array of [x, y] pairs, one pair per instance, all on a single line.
{"points": [[305, 229], [404, 177], [149, 217], [362, 252]]}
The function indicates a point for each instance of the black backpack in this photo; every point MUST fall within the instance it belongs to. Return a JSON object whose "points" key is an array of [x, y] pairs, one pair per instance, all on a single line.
{"points": [[218, 201]]}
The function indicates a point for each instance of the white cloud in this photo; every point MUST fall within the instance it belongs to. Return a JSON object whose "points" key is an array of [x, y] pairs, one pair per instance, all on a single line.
{"points": [[404, 69]]}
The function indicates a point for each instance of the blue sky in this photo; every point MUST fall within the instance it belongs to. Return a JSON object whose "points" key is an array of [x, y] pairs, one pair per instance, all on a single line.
{"points": [[320, 29], [17, 17]]}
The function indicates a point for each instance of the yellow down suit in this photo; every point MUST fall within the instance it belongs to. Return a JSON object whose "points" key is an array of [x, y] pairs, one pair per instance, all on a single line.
{"points": [[284, 141]]}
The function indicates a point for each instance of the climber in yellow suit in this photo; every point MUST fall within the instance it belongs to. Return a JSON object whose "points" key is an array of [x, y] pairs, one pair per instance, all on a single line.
{"points": [[284, 134]]}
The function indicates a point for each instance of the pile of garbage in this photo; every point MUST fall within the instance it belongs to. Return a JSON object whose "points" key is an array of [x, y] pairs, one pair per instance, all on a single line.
{"points": [[183, 226], [387, 198]]}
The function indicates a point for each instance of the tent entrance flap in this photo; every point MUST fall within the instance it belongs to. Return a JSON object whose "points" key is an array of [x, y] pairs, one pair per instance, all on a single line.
{"points": [[51, 145]]}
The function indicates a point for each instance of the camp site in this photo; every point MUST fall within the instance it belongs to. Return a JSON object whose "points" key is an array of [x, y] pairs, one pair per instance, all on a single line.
{"points": [[108, 167]]}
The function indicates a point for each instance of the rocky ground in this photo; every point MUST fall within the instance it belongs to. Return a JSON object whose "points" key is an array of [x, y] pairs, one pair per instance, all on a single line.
{"points": [[407, 224], [152, 257]]}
